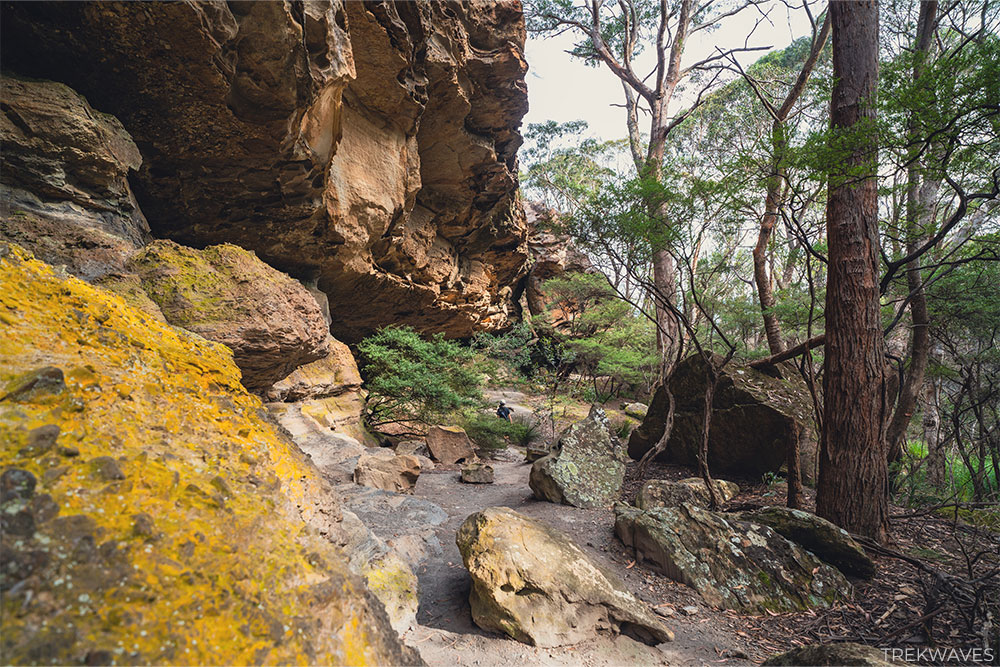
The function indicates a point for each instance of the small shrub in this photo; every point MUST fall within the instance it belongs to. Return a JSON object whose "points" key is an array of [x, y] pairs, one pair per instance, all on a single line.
{"points": [[490, 432]]}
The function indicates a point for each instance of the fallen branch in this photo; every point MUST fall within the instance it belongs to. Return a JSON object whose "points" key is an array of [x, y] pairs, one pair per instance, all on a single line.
{"points": [[801, 348]]}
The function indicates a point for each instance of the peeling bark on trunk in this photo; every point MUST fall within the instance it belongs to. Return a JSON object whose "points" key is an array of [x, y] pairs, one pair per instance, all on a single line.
{"points": [[853, 473]]}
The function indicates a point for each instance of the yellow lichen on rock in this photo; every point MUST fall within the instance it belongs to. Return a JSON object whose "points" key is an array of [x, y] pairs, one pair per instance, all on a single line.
{"points": [[151, 512]]}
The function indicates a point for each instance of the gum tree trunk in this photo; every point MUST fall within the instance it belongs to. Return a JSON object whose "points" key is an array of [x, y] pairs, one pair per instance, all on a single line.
{"points": [[852, 489]]}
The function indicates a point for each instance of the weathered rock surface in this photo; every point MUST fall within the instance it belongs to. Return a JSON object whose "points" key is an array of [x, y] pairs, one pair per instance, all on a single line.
{"points": [[534, 584], [754, 419], [370, 147], [637, 410], [586, 467], [333, 375], [732, 564], [65, 194], [165, 498], [552, 255], [477, 473], [829, 542], [383, 469], [224, 293], [449, 444], [664, 493], [845, 654]]}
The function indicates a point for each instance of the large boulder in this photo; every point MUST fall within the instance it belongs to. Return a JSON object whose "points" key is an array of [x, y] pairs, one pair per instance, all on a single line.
{"points": [[586, 468], [535, 585], [384, 469], [732, 564], [664, 493], [65, 194], [829, 542], [755, 417], [368, 146], [224, 293], [170, 521], [843, 654], [449, 444]]}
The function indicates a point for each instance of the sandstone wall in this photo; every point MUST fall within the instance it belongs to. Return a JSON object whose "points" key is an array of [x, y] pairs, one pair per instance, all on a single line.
{"points": [[369, 147]]}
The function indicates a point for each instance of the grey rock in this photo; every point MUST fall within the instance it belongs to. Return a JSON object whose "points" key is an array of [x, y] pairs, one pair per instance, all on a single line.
{"points": [[664, 493]]}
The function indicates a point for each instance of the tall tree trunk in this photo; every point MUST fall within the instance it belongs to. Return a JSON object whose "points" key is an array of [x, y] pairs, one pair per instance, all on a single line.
{"points": [[932, 435], [793, 462], [852, 490], [919, 220]]}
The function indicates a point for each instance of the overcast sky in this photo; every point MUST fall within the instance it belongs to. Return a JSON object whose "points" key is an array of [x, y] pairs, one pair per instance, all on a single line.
{"points": [[561, 88]]}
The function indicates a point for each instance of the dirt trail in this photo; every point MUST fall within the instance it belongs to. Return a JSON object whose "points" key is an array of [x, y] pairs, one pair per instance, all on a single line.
{"points": [[445, 633]]}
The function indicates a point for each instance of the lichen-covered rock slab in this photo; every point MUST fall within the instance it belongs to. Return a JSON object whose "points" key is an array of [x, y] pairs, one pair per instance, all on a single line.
{"points": [[755, 418], [732, 564], [449, 444], [382, 469], [65, 189], [829, 542], [586, 468], [171, 521], [843, 654], [637, 410], [224, 293], [665, 493], [534, 584]]}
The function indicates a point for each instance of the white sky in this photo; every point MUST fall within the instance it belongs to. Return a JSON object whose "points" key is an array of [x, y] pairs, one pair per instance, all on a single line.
{"points": [[562, 88]]}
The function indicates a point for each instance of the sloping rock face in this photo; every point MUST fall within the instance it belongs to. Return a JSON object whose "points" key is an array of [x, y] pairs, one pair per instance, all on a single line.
{"points": [[755, 416], [224, 293], [533, 584], [65, 194], [552, 255], [664, 493], [369, 147], [732, 564], [586, 468], [829, 542], [167, 521], [333, 375]]}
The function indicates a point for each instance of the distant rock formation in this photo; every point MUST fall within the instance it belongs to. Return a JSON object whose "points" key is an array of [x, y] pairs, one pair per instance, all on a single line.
{"points": [[552, 255], [369, 147]]}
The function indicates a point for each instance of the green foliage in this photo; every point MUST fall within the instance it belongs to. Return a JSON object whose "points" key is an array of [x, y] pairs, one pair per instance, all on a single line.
{"points": [[512, 347], [413, 379], [491, 432]]}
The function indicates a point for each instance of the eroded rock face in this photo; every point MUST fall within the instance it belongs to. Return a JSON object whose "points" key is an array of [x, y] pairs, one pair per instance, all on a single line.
{"points": [[755, 417], [829, 542], [65, 194], [123, 524], [333, 375], [552, 255], [732, 564], [369, 147], [224, 293], [664, 493], [535, 585], [383, 469], [586, 468]]}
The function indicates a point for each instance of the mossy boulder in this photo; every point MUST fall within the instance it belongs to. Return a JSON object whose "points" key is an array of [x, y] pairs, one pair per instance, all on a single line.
{"points": [[665, 493], [586, 467], [535, 585], [169, 521], [843, 654], [829, 542], [756, 416], [732, 564], [224, 293]]}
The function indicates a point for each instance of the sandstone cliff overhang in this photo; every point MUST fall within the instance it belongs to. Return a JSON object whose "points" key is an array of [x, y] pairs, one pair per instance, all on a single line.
{"points": [[370, 147]]}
